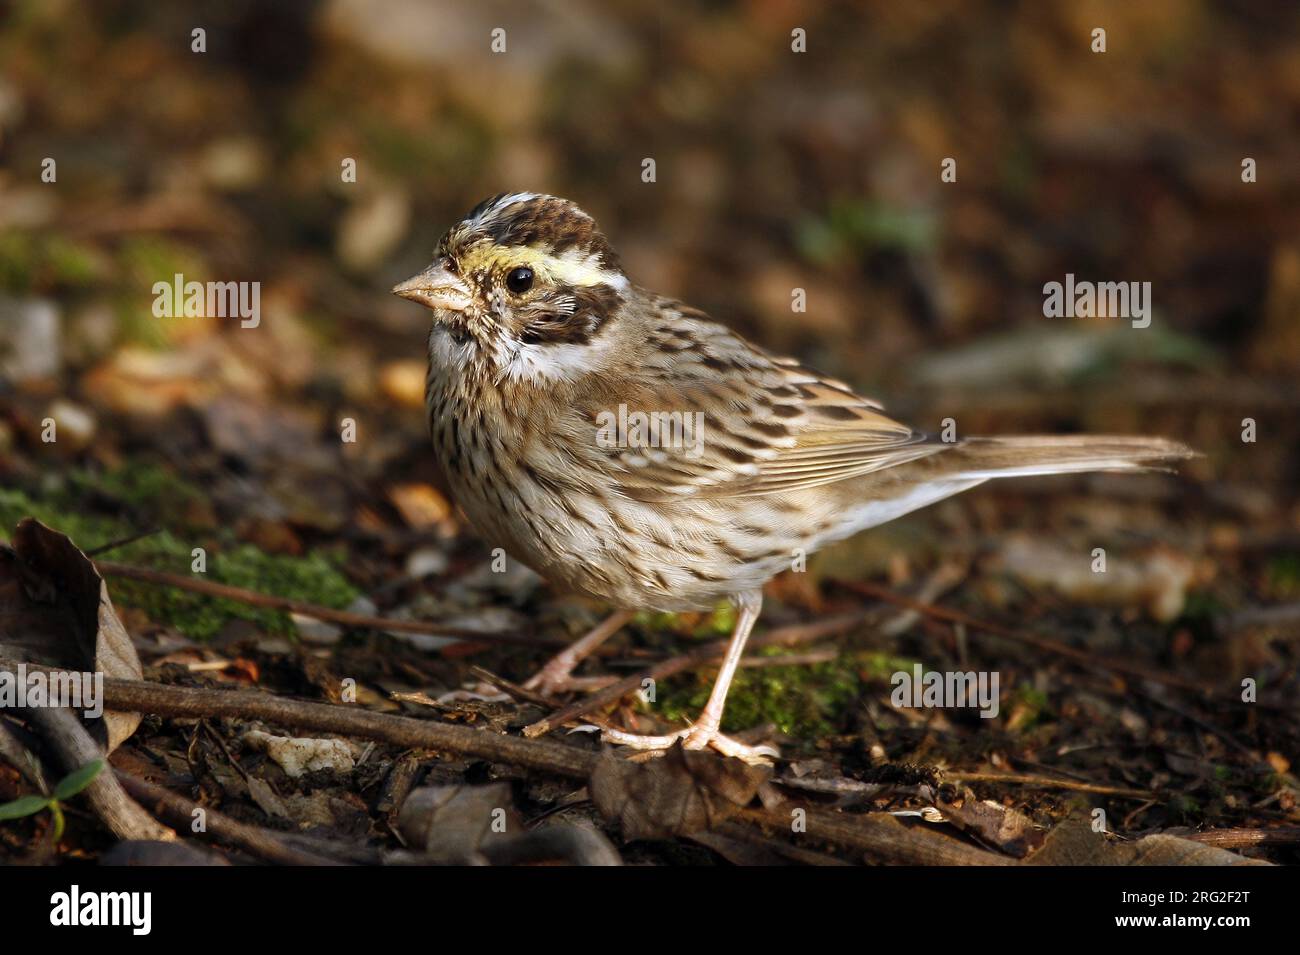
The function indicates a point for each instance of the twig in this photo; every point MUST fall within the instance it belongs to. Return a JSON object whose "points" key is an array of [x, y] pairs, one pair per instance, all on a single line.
{"points": [[810, 658], [1245, 838], [141, 696], [121, 542], [755, 836], [945, 576], [1277, 616], [21, 758], [879, 835], [221, 745], [1049, 782], [782, 636], [513, 689], [1205, 725], [1042, 643], [218, 826], [344, 617], [75, 748]]}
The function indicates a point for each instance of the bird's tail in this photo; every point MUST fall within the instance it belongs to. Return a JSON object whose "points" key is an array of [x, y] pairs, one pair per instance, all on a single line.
{"points": [[1030, 455]]}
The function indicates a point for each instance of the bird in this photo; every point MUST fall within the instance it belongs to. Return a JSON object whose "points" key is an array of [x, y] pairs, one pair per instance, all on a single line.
{"points": [[629, 448]]}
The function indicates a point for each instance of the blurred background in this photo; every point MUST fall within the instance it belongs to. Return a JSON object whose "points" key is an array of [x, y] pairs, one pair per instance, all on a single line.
{"points": [[775, 170]]}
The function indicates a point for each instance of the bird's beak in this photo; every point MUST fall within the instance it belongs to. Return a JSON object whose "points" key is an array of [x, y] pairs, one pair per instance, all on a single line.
{"points": [[436, 287]]}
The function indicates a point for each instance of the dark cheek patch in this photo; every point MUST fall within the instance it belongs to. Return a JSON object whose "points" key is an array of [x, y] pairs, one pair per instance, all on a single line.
{"points": [[547, 323]]}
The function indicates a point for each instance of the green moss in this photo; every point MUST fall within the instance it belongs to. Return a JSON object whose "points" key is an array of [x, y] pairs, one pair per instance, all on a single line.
{"points": [[314, 578], [1199, 616], [86, 531], [141, 262], [146, 486], [802, 701], [1284, 576], [853, 226], [137, 325], [719, 623], [72, 263], [17, 261], [1018, 170], [1029, 705], [1268, 783], [1201, 605], [30, 261], [146, 260], [1184, 810], [405, 152], [876, 665]]}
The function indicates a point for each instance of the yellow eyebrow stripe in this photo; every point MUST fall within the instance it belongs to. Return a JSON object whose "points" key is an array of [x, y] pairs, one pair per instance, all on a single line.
{"points": [[571, 268]]}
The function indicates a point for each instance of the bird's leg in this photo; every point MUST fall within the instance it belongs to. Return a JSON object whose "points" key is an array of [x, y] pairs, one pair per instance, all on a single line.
{"points": [[704, 731], [705, 727], [557, 675]]}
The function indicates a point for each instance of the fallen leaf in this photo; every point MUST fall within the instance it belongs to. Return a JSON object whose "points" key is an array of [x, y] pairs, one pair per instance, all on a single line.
{"points": [[420, 505], [454, 822], [1074, 842], [29, 339], [995, 824], [55, 610], [402, 382], [681, 792], [1156, 579]]}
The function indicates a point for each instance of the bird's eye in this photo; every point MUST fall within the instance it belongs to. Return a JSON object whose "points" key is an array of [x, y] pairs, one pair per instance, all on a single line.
{"points": [[520, 280]]}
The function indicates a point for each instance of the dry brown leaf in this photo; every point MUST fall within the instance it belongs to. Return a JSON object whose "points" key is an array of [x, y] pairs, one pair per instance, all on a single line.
{"points": [[684, 791], [421, 505], [454, 822], [1011, 831], [55, 610], [1074, 842], [1156, 579], [402, 382]]}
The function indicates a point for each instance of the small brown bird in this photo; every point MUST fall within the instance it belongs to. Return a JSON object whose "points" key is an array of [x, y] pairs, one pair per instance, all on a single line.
{"points": [[626, 447]]}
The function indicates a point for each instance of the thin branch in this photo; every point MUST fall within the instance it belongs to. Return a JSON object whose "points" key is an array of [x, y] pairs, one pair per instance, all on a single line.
{"points": [[945, 576], [513, 689], [1281, 615], [1081, 657], [1246, 838], [122, 542], [879, 835], [141, 696], [782, 636], [21, 758], [811, 658], [343, 617], [219, 827], [1049, 782], [74, 747]]}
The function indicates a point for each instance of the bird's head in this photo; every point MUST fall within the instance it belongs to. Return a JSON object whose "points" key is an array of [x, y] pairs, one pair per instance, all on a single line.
{"points": [[525, 283]]}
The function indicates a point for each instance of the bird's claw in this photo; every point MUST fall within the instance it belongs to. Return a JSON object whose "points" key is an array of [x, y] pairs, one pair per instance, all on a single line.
{"points": [[698, 736]]}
